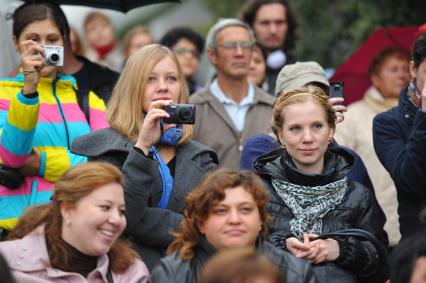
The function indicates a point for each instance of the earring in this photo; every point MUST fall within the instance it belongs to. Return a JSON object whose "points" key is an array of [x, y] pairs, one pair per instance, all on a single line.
{"points": [[68, 223]]}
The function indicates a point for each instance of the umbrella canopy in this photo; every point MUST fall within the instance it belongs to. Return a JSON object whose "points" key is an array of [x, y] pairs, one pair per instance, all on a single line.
{"points": [[354, 72], [118, 5]]}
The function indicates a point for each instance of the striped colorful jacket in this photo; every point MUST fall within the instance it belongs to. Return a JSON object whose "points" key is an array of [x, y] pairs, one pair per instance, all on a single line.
{"points": [[48, 123]]}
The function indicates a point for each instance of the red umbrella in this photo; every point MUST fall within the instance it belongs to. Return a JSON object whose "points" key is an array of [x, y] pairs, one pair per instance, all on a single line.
{"points": [[354, 72], [119, 5]]}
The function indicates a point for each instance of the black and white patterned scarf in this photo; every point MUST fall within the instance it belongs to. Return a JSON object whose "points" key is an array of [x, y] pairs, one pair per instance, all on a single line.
{"points": [[310, 204]]}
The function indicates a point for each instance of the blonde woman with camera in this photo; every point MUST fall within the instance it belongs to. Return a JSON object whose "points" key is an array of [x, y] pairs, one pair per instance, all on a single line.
{"points": [[39, 114], [160, 162]]}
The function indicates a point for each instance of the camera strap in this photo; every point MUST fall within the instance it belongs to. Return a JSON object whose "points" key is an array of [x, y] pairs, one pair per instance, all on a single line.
{"points": [[166, 178]]}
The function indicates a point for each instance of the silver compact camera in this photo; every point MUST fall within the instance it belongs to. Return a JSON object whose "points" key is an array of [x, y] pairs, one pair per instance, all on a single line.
{"points": [[54, 55]]}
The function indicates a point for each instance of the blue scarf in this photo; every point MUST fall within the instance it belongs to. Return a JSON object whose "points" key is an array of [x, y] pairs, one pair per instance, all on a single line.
{"points": [[170, 137]]}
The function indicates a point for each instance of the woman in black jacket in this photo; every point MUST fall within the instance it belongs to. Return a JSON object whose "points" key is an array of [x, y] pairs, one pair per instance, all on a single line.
{"points": [[310, 195], [228, 210], [160, 161]]}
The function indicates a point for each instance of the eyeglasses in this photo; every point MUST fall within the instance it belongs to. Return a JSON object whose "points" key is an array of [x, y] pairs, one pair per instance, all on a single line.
{"points": [[232, 45], [183, 51]]}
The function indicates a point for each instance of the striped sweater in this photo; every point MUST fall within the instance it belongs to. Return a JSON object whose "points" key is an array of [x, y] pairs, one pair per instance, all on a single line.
{"points": [[48, 123]]}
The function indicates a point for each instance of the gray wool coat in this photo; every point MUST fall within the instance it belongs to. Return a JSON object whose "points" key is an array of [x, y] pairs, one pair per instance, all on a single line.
{"points": [[149, 227]]}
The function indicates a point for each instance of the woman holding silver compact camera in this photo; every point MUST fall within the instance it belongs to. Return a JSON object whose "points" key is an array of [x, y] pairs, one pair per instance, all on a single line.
{"points": [[160, 162], [39, 114]]}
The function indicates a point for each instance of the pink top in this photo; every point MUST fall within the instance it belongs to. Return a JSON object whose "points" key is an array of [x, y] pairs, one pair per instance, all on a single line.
{"points": [[29, 262]]}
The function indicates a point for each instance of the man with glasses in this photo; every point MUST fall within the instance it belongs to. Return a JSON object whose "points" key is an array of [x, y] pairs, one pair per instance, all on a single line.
{"points": [[230, 109]]}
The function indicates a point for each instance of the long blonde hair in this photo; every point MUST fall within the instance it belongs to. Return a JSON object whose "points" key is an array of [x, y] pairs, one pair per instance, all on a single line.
{"points": [[124, 112]]}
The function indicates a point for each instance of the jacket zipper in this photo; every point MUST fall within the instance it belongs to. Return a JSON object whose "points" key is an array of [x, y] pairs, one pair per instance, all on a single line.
{"points": [[62, 112]]}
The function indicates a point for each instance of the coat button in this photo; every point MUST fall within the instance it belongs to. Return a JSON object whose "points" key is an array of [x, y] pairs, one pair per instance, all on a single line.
{"points": [[407, 116], [18, 263], [21, 256]]}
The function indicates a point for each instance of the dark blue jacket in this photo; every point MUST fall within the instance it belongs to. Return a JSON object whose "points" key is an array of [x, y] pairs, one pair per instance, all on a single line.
{"points": [[263, 143], [399, 136]]}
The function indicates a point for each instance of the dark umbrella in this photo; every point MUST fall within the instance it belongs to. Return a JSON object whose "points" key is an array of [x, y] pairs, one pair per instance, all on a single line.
{"points": [[119, 5], [354, 72]]}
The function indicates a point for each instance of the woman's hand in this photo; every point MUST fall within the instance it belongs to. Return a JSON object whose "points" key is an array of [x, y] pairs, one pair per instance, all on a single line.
{"points": [[296, 247], [324, 250], [150, 132], [32, 166], [316, 251], [32, 61], [339, 107]]}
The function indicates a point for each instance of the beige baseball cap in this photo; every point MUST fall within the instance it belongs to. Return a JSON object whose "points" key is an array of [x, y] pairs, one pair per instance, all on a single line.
{"points": [[296, 75]]}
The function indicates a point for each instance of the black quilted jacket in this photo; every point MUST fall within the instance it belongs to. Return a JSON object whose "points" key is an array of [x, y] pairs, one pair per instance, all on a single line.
{"points": [[359, 209]]}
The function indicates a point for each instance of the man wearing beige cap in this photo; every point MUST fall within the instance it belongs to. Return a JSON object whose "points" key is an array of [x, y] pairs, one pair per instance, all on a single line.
{"points": [[293, 76]]}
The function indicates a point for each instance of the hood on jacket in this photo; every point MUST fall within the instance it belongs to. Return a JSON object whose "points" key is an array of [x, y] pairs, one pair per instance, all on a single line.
{"points": [[278, 164]]}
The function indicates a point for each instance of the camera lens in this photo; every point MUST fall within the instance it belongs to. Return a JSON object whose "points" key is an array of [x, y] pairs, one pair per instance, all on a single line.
{"points": [[54, 58], [185, 114]]}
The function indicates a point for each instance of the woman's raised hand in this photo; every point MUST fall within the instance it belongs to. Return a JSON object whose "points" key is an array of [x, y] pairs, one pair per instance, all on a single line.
{"points": [[150, 132], [32, 61]]}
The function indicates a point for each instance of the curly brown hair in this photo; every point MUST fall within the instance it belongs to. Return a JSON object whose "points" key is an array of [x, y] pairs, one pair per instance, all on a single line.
{"points": [[202, 200]]}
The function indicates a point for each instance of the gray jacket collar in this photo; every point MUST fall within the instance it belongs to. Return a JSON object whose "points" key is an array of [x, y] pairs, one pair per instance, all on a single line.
{"points": [[109, 140]]}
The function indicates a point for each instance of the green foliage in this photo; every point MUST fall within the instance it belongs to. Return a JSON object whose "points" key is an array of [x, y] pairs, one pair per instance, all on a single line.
{"points": [[224, 9]]}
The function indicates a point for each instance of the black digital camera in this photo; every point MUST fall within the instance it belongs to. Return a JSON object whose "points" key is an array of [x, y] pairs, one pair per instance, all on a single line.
{"points": [[180, 114]]}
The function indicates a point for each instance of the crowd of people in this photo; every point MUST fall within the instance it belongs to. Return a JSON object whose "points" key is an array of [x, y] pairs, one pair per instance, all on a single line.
{"points": [[271, 180]]}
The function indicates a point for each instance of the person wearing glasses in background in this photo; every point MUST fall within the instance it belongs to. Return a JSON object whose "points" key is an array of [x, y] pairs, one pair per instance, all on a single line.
{"points": [[230, 109], [188, 46]]}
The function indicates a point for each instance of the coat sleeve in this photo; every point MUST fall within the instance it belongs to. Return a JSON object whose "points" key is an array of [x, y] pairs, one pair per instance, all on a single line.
{"points": [[18, 123], [361, 256], [405, 160]]}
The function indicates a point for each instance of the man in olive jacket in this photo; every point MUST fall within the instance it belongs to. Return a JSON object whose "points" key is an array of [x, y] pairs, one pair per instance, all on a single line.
{"points": [[231, 109]]}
